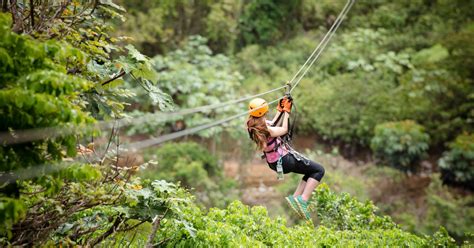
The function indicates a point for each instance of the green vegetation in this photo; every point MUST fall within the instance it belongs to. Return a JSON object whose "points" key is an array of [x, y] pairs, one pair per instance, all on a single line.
{"points": [[194, 167], [396, 82], [402, 144], [422, 214], [62, 75], [457, 163], [240, 225], [38, 92], [192, 76]]}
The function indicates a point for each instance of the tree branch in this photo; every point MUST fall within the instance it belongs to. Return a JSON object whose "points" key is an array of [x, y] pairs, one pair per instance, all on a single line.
{"points": [[5, 5], [156, 225], [32, 14], [131, 227], [111, 230], [121, 74]]}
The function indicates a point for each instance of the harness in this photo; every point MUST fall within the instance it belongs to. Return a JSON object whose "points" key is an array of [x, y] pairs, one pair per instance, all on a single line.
{"points": [[275, 148], [298, 156]]}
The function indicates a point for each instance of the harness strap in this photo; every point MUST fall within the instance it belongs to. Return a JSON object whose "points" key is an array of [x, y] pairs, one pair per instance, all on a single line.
{"points": [[274, 149], [271, 142]]}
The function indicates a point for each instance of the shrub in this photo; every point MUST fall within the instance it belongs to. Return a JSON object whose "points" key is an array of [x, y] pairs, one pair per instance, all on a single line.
{"points": [[349, 114], [457, 164], [344, 212], [193, 166], [400, 144], [449, 210], [183, 162], [239, 225], [267, 21]]}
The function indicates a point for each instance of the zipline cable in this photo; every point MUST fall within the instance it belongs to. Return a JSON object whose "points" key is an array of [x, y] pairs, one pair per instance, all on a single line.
{"points": [[22, 136], [331, 30], [28, 173], [324, 45], [171, 136], [29, 135]]}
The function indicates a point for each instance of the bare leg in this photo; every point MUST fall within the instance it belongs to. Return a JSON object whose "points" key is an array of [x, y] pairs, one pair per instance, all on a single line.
{"points": [[311, 184], [300, 188]]}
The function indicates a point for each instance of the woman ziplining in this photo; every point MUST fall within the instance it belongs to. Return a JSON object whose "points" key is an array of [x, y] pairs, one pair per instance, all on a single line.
{"points": [[272, 138], [280, 156]]}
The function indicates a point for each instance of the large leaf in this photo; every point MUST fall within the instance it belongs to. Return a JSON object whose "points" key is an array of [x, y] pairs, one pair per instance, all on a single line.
{"points": [[111, 4]]}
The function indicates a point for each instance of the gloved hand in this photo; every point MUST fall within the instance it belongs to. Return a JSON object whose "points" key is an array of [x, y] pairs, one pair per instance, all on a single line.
{"points": [[280, 105], [287, 104]]}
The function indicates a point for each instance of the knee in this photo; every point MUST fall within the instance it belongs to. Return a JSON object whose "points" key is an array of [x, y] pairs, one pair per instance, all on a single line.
{"points": [[322, 171], [319, 174]]}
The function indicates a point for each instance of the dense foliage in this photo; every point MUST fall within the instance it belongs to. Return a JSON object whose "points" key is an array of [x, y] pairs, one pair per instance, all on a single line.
{"points": [[401, 144], [239, 225], [69, 64], [457, 163], [38, 92], [67, 84], [195, 168], [193, 76], [422, 213], [265, 22]]}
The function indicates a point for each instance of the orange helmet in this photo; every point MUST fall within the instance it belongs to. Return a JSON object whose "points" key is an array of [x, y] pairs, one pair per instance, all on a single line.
{"points": [[260, 106]]}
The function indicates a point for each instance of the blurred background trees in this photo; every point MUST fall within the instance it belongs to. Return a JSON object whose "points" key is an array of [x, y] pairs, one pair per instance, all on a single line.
{"points": [[394, 87]]}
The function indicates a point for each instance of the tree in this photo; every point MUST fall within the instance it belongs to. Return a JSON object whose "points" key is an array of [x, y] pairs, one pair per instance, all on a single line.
{"points": [[62, 85]]}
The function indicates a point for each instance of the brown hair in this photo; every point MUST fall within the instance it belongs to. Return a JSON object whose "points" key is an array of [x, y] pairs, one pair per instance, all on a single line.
{"points": [[258, 131]]}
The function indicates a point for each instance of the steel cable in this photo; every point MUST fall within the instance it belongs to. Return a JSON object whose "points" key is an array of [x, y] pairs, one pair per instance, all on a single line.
{"points": [[28, 173], [29, 135], [326, 42], [323, 40]]}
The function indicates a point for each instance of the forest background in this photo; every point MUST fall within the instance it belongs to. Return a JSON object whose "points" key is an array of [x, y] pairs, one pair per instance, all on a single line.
{"points": [[392, 95]]}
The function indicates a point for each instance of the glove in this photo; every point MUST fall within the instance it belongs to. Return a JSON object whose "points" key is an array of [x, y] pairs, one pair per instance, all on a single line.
{"points": [[287, 104], [280, 105]]}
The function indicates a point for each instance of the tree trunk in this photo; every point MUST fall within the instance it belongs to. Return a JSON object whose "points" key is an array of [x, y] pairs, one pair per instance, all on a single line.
{"points": [[32, 15], [17, 18], [4, 5]]}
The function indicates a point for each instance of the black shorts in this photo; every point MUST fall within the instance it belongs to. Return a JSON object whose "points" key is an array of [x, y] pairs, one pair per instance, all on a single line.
{"points": [[303, 166]]}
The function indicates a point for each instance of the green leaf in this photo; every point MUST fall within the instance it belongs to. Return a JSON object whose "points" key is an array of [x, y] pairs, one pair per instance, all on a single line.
{"points": [[111, 4], [135, 54], [431, 55]]}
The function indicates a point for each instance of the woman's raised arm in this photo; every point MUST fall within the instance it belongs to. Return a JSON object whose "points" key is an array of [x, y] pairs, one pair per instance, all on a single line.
{"points": [[280, 131]]}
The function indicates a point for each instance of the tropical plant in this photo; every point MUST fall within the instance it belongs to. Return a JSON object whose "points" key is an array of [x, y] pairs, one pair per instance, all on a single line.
{"points": [[195, 168], [38, 92], [457, 164], [159, 27], [401, 144], [65, 86], [240, 225], [184, 74]]}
